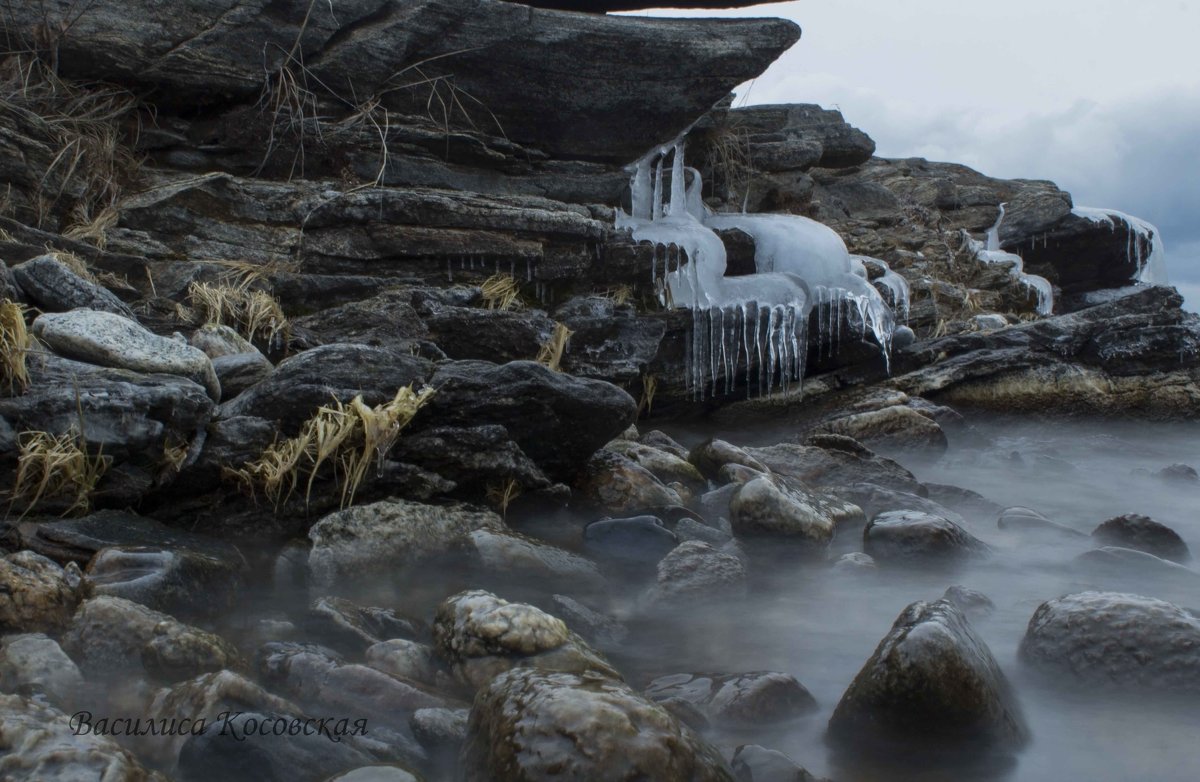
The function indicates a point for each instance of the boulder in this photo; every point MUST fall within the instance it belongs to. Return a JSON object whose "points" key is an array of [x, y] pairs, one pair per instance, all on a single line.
{"points": [[695, 572], [111, 340], [893, 428], [835, 460], [315, 378], [639, 541], [240, 371], [37, 595], [559, 421], [177, 581], [613, 483], [114, 637], [508, 556], [798, 136], [1029, 521], [405, 659], [769, 507], [53, 287], [78, 540], [665, 465], [348, 626], [39, 743], [1111, 640], [1127, 563], [973, 603], [376, 774], [1143, 534], [713, 454], [536, 725], [752, 763], [910, 537], [747, 699], [932, 679], [33, 664], [365, 540], [479, 635]]}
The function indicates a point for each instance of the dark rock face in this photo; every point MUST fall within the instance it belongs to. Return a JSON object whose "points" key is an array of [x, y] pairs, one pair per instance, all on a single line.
{"points": [[785, 137], [1115, 641], [314, 378], [557, 420], [1143, 534], [898, 537], [752, 763], [547, 76], [520, 719], [604, 6], [55, 288], [931, 679]]}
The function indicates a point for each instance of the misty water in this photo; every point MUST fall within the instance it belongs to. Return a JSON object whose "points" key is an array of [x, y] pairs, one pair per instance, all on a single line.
{"points": [[821, 625]]}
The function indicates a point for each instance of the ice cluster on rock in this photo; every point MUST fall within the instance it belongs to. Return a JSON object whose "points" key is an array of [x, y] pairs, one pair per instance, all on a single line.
{"points": [[989, 251], [755, 323], [1152, 267]]}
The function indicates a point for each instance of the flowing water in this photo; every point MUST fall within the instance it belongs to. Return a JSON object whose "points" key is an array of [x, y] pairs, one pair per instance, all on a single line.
{"points": [[820, 625]]}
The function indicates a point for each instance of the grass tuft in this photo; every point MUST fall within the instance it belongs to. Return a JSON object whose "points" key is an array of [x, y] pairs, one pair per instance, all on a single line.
{"points": [[551, 353], [58, 468], [500, 292], [500, 496], [350, 437], [251, 311], [649, 388], [14, 348]]}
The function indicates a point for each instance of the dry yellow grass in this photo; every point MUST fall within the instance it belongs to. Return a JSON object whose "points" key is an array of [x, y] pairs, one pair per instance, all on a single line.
{"points": [[500, 291], [14, 348], [251, 311], [500, 496], [649, 388], [352, 437], [552, 350], [56, 468]]}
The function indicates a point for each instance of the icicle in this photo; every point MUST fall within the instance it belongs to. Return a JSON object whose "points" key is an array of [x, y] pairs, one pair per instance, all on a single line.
{"points": [[449, 270], [657, 206]]}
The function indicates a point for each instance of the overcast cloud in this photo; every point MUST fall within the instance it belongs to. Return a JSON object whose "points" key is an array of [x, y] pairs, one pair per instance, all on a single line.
{"points": [[1103, 97]]}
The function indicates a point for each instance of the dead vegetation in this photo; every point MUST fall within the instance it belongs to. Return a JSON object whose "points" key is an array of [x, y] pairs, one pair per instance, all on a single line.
{"points": [[14, 348], [500, 496], [244, 306], [551, 353], [649, 388], [348, 437], [56, 469], [85, 127], [500, 292]]}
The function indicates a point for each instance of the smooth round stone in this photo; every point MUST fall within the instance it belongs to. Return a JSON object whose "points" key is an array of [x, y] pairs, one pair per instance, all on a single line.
{"points": [[641, 540]]}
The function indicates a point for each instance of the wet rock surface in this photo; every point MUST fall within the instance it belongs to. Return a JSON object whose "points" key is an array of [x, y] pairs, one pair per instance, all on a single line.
{"points": [[518, 721], [1114, 640], [1143, 534], [932, 678], [746, 698], [913, 537]]}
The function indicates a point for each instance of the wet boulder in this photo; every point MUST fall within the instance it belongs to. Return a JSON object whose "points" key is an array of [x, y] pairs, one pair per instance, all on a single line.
{"points": [[39, 743], [351, 627], [640, 541], [53, 287], [913, 537], [748, 699], [365, 540], [771, 508], [536, 725], [695, 572], [713, 454], [207, 697], [1029, 521], [406, 659], [241, 371], [177, 581], [479, 635], [892, 428], [309, 380], [617, 484], [1126, 563], [1112, 640], [442, 732], [835, 460], [110, 340], [752, 763], [1143, 534], [37, 595], [112, 636], [973, 603], [34, 664], [668, 467], [239, 752], [507, 556], [558, 420], [931, 679]]}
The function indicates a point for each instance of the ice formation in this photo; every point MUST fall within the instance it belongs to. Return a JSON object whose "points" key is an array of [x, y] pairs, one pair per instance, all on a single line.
{"points": [[989, 251], [758, 322], [1152, 268]]}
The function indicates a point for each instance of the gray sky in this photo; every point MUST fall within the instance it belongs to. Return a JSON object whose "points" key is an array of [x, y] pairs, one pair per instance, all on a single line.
{"points": [[1101, 96]]}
